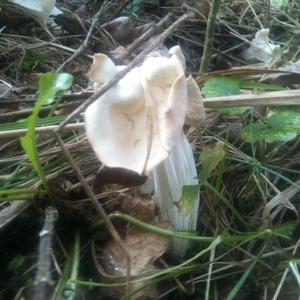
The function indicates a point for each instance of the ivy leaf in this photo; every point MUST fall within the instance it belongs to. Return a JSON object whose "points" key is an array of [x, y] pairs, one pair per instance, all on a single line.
{"points": [[49, 85], [224, 86], [282, 124], [189, 195], [210, 157]]}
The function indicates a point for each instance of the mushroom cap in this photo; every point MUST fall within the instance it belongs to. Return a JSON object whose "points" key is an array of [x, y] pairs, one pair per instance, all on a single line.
{"points": [[135, 124]]}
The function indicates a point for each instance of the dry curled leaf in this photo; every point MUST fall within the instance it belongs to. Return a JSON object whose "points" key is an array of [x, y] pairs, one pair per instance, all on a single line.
{"points": [[144, 248]]}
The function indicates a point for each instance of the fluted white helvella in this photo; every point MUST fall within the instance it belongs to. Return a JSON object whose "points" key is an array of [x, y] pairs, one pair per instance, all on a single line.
{"points": [[138, 125]]}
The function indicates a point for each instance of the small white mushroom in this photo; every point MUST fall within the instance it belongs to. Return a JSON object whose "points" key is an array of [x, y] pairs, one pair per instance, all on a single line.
{"points": [[261, 48], [138, 125]]}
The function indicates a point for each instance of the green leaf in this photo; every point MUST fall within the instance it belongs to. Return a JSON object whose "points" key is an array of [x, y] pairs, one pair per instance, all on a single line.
{"points": [[251, 84], [210, 157], [284, 116], [189, 195], [221, 86], [49, 85], [233, 110], [254, 132], [282, 124], [224, 86]]}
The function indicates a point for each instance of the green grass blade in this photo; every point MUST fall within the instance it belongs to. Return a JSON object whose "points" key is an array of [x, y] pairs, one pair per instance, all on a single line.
{"points": [[294, 267], [242, 280]]}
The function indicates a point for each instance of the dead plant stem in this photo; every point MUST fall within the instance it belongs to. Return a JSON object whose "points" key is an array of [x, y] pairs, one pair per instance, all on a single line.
{"points": [[43, 280]]}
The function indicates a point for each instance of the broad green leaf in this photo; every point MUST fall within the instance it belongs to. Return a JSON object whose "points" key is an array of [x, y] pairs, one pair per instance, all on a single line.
{"points": [[224, 86], [221, 86], [282, 124], [284, 116], [283, 135], [210, 157], [254, 132], [189, 196], [251, 84], [49, 85]]}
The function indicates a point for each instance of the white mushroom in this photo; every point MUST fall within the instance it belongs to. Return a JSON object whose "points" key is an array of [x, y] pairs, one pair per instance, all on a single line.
{"points": [[261, 48], [138, 125]]}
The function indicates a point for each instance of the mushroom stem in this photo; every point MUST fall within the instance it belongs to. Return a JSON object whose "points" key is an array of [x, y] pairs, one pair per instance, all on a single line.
{"points": [[167, 180]]}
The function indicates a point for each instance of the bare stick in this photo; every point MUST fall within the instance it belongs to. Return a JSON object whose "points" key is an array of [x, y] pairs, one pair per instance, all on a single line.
{"points": [[105, 87], [210, 30], [282, 98], [85, 43], [110, 227]]}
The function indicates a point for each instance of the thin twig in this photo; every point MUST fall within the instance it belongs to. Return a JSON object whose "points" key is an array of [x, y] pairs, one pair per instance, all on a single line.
{"points": [[155, 29], [85, 43], [110, 227], [105, 87], [209, 38]]}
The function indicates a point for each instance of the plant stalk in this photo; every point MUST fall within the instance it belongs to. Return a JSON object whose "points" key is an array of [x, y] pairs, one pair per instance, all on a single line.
{"points": [[209, 37]]}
